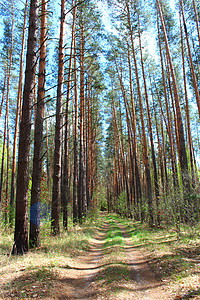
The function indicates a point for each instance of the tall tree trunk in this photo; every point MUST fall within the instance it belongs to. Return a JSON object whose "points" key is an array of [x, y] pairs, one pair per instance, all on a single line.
{"points": [[125, 173], [21, 219], [187, 111], [47, 155], [34, 238], [122, 143], [75, 178], [169, 122], [7, 173], [56, 194], [65, 182], [164, 183], [7, 113], [89, 144], [197, 21], [3, 156], [150, 131], [196, 89], [82, 205], [181, 138], [145, 150], [4, 88], [135, 154], [19, 97]]}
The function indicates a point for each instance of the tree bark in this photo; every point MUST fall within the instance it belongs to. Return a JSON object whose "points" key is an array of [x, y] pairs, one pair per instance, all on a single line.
{"points": [[75, 178], [34, 238], [196, 89], [21, 219], [56, 194], [65, 182], [146, 158], [19, 96], [181, 138]]}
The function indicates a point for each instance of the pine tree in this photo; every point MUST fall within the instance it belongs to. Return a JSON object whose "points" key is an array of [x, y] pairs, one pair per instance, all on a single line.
{"points": [[21, 218], [34, 238], [56, 194]]}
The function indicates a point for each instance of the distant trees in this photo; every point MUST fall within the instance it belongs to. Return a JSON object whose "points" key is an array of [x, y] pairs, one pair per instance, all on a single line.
{"points": [[162, 116], [121, 126]]}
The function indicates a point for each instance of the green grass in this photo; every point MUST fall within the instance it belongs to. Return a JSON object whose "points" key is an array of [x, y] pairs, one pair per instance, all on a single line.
{"points": [[114, 235], [173, 258]]}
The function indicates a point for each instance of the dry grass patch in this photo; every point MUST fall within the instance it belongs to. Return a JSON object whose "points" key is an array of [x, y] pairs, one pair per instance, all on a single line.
{"points": [[38, 273]]}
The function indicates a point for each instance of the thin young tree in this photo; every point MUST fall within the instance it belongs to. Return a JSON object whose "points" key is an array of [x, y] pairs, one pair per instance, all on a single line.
{"points": [[56, 193], [196, 89], [75, 173], [3, 155], [10, 55], [65, 192], [81, 185]]}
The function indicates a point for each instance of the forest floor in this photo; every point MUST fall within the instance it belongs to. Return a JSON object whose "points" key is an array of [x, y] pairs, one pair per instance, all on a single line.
{"points": [[112, 260]]}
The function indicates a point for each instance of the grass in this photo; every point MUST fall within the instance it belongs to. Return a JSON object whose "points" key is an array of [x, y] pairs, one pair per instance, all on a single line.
{"points": [[115, 271], [175, 261], [114, 235], [35, 273], [36, 282], [172, 259]]}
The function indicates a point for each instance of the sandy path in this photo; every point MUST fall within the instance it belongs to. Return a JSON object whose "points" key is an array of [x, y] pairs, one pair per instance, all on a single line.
{"points": [[145, 285], [79, 280], [81, 273]]}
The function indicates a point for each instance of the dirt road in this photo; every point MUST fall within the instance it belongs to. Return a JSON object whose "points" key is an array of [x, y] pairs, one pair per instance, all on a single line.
{"points": [[85, 277]]}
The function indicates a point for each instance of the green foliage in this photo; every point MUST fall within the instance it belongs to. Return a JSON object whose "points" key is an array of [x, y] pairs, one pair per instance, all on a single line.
{"points": [[121, 204], [101, 198]]}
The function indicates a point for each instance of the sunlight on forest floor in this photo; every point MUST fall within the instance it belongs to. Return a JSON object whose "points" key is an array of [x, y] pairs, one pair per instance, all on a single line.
{"points": [[173, 259], [38, 273]]}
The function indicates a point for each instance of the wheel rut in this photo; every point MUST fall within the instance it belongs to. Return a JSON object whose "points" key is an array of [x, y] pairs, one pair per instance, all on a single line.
{"points": [[81, 280], [146, 285], [81, 272]]}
